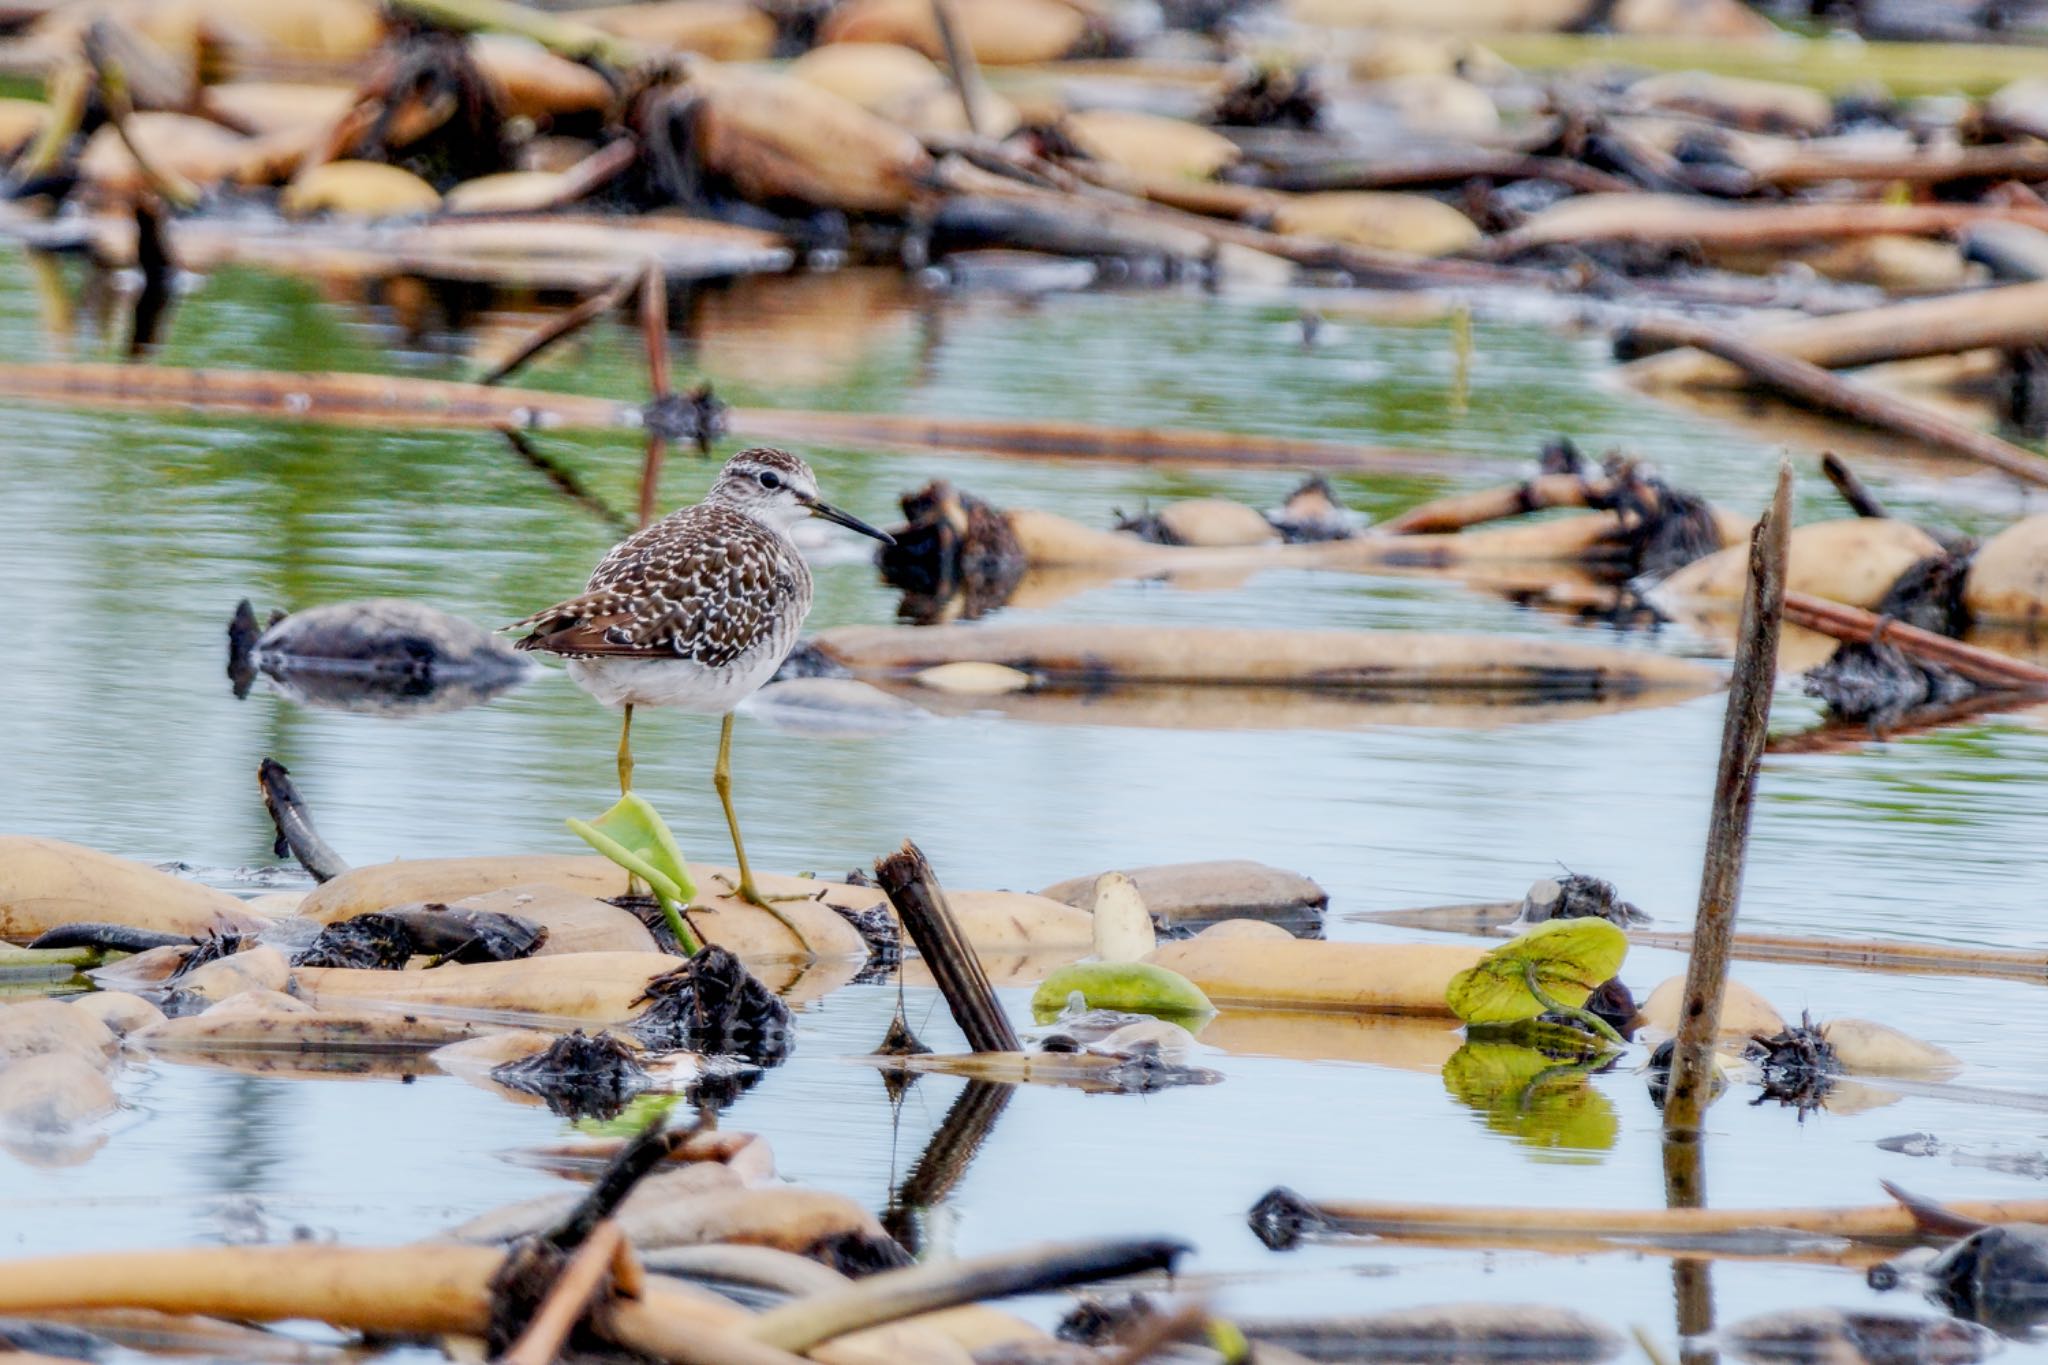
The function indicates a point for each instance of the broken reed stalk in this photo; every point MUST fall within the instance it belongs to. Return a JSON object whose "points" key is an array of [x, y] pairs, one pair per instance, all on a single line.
{"points": [[906, 877], [960, 65], [1742, 745], [582, 1280], [897, 1294], [1810, 384], [564, 325], [166, 183], [1982, 666], [295, 832], [1861, 500], [654, 331]]}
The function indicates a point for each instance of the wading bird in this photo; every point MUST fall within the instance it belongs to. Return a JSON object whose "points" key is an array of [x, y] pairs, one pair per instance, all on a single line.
{"points": [[697, 610]]}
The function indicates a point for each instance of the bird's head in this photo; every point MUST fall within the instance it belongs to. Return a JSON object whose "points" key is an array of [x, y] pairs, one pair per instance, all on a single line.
{"points": [[778, 488]]}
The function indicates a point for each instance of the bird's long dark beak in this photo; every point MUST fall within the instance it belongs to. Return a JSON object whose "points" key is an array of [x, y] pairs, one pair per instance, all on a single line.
{"points": [[847, 519]]}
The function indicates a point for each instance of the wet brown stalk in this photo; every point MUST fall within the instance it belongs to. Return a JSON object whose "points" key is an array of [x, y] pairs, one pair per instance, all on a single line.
{"points": [[1861, 500], [1742, 743], [1852, 624], [565, 325], [960, 65], [295, 830], [1808, 383], [913, 889], [583, 1278]]}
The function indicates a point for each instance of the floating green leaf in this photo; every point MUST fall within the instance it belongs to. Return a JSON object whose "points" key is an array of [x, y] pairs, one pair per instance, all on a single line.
{"points": [[1134, 987], [633, 835], [1527, 1093], [1554, 966]]}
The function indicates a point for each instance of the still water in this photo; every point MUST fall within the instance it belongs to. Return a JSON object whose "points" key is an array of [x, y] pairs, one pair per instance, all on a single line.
{"points": [[126, 540]]}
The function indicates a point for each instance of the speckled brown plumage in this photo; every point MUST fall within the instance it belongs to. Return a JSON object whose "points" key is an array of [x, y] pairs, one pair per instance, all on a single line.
{"points": [[707, 584]]}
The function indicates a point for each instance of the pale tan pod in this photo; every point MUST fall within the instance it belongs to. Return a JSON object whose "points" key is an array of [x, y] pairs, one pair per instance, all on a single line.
{"points": [[507, 192], [1149, 145], [1441, 105], [45, 883], [782, 138], [254, 969], [1244, 928], [722, 29], [532, 82], [1414, 223], [1243, 971], [1738, 101], [974, 678], [358, 189], [195, 148], [332, 30], [2008, 579], [1873, 1049], [576, 923], [874, 76], [1215, 522], [601, 988], [1000, 32], [35, 1028], [1744, 1013], [122, 1012], [378, 886], [281, 106], [1123, 926], [1853, 561], [781, 1216]]}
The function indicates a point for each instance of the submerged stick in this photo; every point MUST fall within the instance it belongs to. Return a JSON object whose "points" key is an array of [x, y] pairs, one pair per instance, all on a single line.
{"points": [[565, 479], [1742, 746], [947, 1155], [1461, 510], [567, 324], [1985, 667], [906, 877], [1861, 500], [897, 1294], [1816, 387], [295, 832]]}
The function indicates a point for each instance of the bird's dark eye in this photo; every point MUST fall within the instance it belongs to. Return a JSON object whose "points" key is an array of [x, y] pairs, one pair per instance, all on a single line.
{"points": [[769, 479]]}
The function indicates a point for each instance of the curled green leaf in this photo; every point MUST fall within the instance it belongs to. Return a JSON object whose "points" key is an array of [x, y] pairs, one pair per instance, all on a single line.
{"points": [[633, 835], [1555, 965]]}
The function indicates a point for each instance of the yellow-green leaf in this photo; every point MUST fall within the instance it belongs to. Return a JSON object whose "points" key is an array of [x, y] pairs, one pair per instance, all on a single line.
{"points": [[633, 835], [1134, 987], [1569, 959]]}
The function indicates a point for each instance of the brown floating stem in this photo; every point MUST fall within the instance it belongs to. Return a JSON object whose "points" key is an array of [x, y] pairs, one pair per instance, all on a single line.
{"points": [[1460, 510], [1742, 746], [1983, 666], [1814, 386], [1495, 1225], [897, 1294], [566, 324], [906, 877], [295, 832], [654, 329], [1861, 500]]}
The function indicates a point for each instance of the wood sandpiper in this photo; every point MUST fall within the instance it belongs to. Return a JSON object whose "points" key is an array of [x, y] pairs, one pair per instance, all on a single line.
{"points": [[698, 610]]}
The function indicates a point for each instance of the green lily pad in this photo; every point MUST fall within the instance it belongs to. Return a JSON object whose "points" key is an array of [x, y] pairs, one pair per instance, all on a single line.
{"points": [[633, 835], [1565, 960], [1132, 987]]}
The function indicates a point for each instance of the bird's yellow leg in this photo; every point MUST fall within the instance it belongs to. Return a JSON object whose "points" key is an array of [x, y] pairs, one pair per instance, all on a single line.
{"points": [[721, 778], [626, 752]]}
